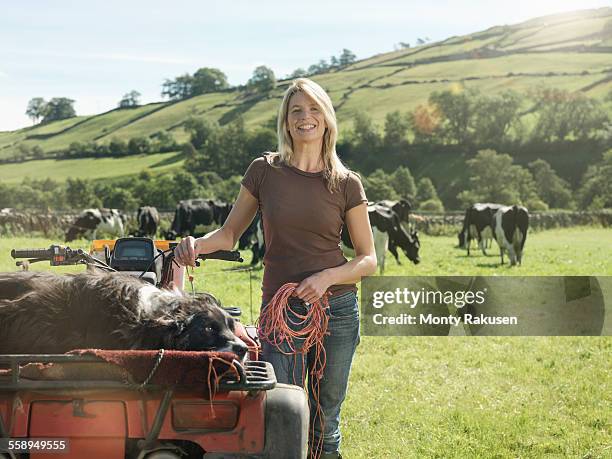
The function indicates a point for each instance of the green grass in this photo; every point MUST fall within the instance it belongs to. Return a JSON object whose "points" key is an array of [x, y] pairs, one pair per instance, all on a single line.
{"points": [[89, 168], [457, 397]]}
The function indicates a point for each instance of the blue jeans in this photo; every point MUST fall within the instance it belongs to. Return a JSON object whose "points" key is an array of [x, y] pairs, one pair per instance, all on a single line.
{"points": [[340, 345]]}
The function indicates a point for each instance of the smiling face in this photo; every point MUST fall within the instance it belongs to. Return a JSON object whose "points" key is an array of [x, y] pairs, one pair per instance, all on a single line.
{"points": [[305, 120]]}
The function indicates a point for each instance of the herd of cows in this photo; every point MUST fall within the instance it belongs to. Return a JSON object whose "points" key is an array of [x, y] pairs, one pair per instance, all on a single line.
{"points": [[507, 225]]}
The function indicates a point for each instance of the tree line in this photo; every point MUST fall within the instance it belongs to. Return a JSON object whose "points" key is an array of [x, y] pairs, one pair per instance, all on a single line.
{"points": [[202, 81], [536, 186]]}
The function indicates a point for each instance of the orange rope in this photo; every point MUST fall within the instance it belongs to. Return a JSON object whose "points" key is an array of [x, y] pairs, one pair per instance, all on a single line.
{"points": [[274, 327]]}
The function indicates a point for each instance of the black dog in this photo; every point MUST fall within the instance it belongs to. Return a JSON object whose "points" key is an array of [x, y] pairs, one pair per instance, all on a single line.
{"points": [[45, 313]]}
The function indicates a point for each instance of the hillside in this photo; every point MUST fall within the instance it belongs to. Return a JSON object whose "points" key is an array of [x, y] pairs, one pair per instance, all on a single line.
{"points": [[570, 51]]}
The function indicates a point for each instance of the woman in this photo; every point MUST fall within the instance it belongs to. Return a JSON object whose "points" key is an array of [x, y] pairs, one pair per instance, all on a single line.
{"points": [[305, 195]]}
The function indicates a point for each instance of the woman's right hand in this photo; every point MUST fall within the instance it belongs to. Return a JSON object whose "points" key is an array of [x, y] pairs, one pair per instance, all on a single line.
{"points": [[185, 252]]}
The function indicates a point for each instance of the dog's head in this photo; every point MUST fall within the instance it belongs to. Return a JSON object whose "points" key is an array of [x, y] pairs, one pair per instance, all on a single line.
{"points": [[201, 325]]}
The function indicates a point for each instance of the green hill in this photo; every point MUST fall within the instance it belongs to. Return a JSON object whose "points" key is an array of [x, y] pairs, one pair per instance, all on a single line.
{"points": [[571, 51]]}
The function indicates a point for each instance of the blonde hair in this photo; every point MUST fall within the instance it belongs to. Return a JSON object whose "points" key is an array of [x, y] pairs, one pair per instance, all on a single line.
{"points": [[334, 171]]}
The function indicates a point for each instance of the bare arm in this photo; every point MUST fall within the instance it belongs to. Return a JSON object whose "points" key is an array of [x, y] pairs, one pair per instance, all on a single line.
{"points": [[224, 238], [364, 263]]}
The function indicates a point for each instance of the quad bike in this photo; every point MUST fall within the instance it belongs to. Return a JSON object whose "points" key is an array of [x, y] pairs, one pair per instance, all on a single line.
{"points": [[249, 415]]}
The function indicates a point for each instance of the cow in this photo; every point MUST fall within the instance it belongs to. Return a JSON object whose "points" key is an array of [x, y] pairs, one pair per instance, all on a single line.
{"points": [[148, 220], [47, 313], [478, 224], [388, 234], [253, 238], [511, 225], [91, 221], [193, 212], [402, 207]]}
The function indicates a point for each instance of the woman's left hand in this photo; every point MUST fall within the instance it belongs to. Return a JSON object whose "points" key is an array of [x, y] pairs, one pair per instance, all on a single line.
{"points": [[312, 288]]}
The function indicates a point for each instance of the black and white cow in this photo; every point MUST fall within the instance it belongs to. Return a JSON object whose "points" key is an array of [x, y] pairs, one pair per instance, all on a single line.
{"points": [[478, 224], [402, 207], [388, 235], [511, 225], [148, 221], [193, 212], [90, 222]]}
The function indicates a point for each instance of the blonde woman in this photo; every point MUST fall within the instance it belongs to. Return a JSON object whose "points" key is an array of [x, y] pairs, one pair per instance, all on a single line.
{"points": [[305, 195]]}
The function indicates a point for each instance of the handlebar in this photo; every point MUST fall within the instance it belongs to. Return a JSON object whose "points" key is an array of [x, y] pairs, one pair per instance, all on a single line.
{"points": [[57, 254], [227, 255], [44, 254]]}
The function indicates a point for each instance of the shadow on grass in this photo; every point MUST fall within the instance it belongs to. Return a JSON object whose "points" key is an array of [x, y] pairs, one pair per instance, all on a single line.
{"points": [[167, 161], [491, 265]]}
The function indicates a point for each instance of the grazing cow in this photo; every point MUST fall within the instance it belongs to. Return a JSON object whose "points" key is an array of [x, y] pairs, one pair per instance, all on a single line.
{"points": [[478, 224], [253, 238], [91, 221], [193, 212], [148, 221], [511, 225], [388, 234], [402, 207], [46, 313]]}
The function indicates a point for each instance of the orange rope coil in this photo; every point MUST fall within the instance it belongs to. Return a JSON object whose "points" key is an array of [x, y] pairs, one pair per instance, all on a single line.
{"points": [[275, 327]]}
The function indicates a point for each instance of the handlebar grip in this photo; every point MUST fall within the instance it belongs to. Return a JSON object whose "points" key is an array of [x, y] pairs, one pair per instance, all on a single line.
{"points": [[32, 253], [227, 255]]}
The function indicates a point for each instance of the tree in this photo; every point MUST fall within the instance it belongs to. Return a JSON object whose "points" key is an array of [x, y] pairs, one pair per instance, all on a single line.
{"points": [[457, 109], [347, 57], [596, 189], [116, 197], [425, 122], [207, 80], [118, 147], [164, 141], [377, 186], [58, 108], [563, 114], [403, 182], [365, 136], [199, 130], [321, 67], [298, 73], [179, 88], [396, 128], [494, 116], [263, 80], [426, 190], [214, 154], [131, 99], [494, 178], [262, 140], [80, 194], [36, 109], [139, 145], [555, 191]]}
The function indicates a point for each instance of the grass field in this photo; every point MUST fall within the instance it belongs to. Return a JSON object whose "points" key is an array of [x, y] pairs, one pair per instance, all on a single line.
{"points": [[458, 397], [89, 168]]}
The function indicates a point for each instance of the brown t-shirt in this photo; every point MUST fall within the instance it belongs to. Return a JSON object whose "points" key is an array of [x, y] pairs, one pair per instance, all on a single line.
{"points": [[302, 221]]}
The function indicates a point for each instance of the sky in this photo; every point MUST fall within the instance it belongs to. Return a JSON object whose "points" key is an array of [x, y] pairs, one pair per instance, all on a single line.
{"points": [[96, 51]]}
